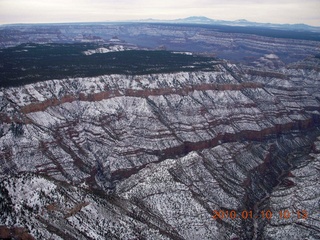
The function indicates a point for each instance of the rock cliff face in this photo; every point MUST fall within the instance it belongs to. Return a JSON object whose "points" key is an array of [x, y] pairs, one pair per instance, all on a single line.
{"points": [[235, 43], [151, 156]]}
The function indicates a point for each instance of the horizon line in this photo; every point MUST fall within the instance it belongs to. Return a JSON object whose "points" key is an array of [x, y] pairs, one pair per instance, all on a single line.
{"points": [[159, 21]]}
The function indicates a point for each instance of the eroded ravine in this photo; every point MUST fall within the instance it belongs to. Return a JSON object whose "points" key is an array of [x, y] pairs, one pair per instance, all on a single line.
{"points": [[284, 156], [166, 149]]}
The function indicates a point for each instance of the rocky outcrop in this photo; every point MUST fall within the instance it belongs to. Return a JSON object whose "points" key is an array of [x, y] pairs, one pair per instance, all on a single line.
{"points": [[162, 151], [14, 233]]}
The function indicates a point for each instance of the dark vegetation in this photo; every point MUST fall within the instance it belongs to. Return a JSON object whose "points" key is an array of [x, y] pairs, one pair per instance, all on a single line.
{"points": [[17, 129], [28, 63]]}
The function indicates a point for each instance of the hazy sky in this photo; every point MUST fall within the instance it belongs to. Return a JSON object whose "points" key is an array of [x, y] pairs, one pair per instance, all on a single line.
{"points": [[274, 11]]}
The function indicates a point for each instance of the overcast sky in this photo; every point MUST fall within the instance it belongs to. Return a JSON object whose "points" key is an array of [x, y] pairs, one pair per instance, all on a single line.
{"points": [[274, 11]]}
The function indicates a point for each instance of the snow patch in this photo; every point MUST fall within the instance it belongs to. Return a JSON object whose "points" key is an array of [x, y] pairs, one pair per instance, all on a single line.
{"points": [[271, 56], [113, 48]]}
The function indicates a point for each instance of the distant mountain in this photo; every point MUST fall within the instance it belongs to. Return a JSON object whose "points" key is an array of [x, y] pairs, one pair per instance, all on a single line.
{"points": [[240, 22], [197, 19]]}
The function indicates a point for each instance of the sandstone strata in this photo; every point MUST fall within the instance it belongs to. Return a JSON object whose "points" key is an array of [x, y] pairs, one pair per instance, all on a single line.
{"points": [[162, 151]]}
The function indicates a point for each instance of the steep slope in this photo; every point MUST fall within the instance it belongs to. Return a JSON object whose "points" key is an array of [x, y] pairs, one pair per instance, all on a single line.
{"points": [[151, 156]]}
